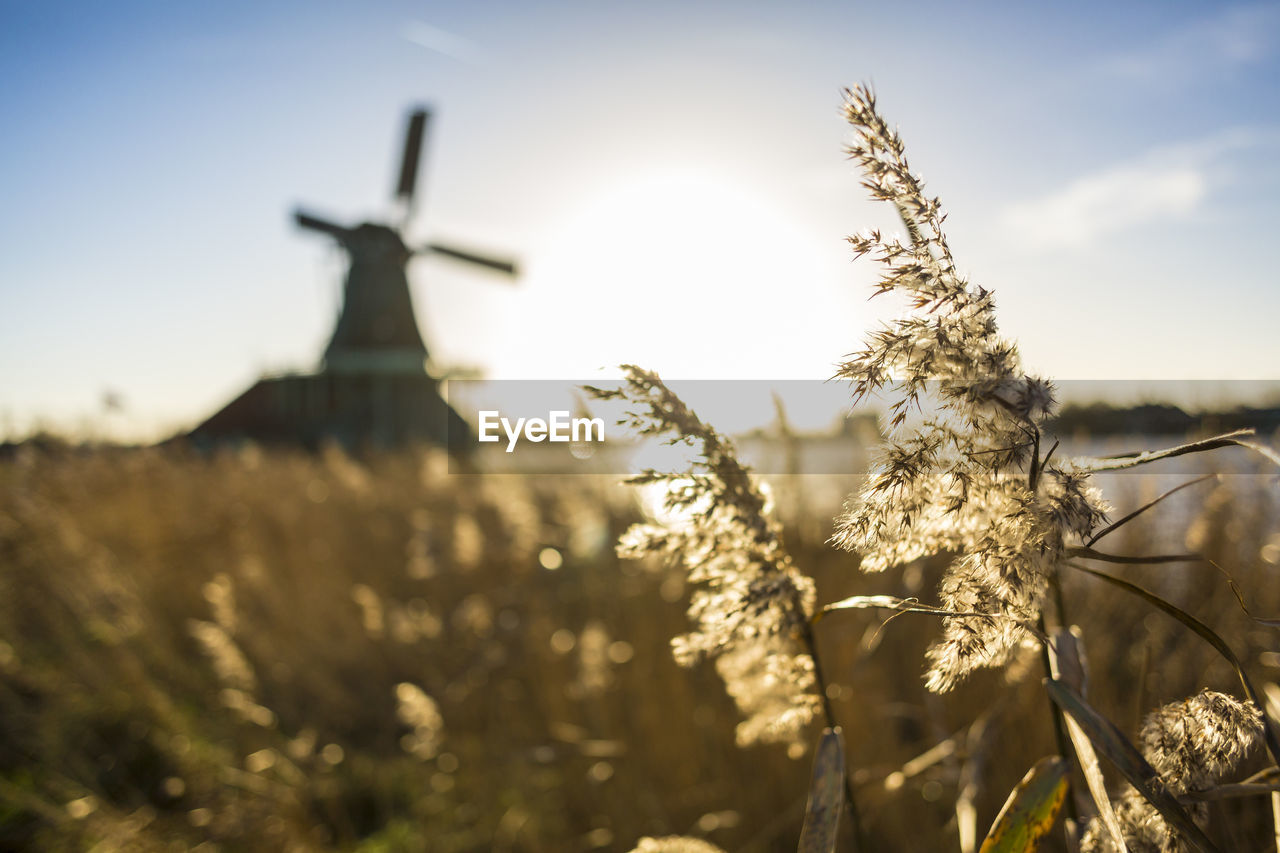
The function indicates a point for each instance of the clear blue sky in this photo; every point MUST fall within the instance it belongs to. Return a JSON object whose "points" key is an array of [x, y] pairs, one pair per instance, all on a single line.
{"points": [[670, 174]]}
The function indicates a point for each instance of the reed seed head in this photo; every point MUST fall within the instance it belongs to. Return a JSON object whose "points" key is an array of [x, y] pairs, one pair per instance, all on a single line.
{"points": [[1192, 744], [967, 475], [750, 603]]}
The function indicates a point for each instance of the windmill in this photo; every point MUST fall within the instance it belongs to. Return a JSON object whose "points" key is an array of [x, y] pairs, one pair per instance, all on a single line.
{"points": [[373, 388], [377, 329]]}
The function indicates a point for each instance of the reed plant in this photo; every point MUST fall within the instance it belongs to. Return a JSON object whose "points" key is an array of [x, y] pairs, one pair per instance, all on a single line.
{"points": [[967, 470]]}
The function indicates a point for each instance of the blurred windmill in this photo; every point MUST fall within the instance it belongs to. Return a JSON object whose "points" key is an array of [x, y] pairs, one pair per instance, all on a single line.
{"points": [[373, 387], [377, 329]]}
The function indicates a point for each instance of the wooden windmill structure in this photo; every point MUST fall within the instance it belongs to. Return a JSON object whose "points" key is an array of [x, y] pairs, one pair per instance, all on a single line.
{"points": [[373, 387]]}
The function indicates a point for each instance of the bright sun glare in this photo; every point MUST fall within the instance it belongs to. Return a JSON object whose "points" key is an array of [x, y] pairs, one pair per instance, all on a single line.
{"points": [[684, 272]]}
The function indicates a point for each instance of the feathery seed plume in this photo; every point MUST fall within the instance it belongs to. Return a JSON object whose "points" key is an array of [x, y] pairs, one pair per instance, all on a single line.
{"points": [[751, 604], [1191, 744], [970, 477]]}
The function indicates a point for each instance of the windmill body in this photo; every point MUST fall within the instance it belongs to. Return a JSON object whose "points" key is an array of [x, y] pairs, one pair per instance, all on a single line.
{"points": [[373, 388], [377, 329]]}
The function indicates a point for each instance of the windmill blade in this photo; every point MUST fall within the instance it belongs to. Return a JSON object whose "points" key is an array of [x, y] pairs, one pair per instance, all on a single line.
{"points": [[507, 267], [412, 154], [315, 223]]}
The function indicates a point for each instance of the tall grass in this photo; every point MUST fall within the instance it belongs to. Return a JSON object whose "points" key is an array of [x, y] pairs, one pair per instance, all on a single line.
{"points": [[348, 578], [267, 649]]}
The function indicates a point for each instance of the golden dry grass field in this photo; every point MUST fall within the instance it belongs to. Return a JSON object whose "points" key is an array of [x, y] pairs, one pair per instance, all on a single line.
{"points": [[266, 650]]}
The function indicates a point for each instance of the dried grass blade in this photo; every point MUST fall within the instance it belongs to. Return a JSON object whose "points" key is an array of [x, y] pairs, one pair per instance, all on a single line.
{"points": [[1235, 590], [1092, 770], [967, 817], [1140, 510], [1275, 817], [922, 762], [1266, 774], [1129, 761], [1230, 792], [1208, 635], [1066, 659], [1031, 810], [892, 602], [1151, 560], [1190, 557], [826, 796], [1132, 460], [1067, 663], [977, 746]]}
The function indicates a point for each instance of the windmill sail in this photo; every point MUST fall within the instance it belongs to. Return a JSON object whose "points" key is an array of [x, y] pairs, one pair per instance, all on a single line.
{"points": [[492, 263], [407, 185]]}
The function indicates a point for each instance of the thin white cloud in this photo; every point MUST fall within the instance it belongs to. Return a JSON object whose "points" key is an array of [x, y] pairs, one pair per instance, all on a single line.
{"points": [[1238, 35], [444, 42], [1106, 202], [1163, 185]]}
